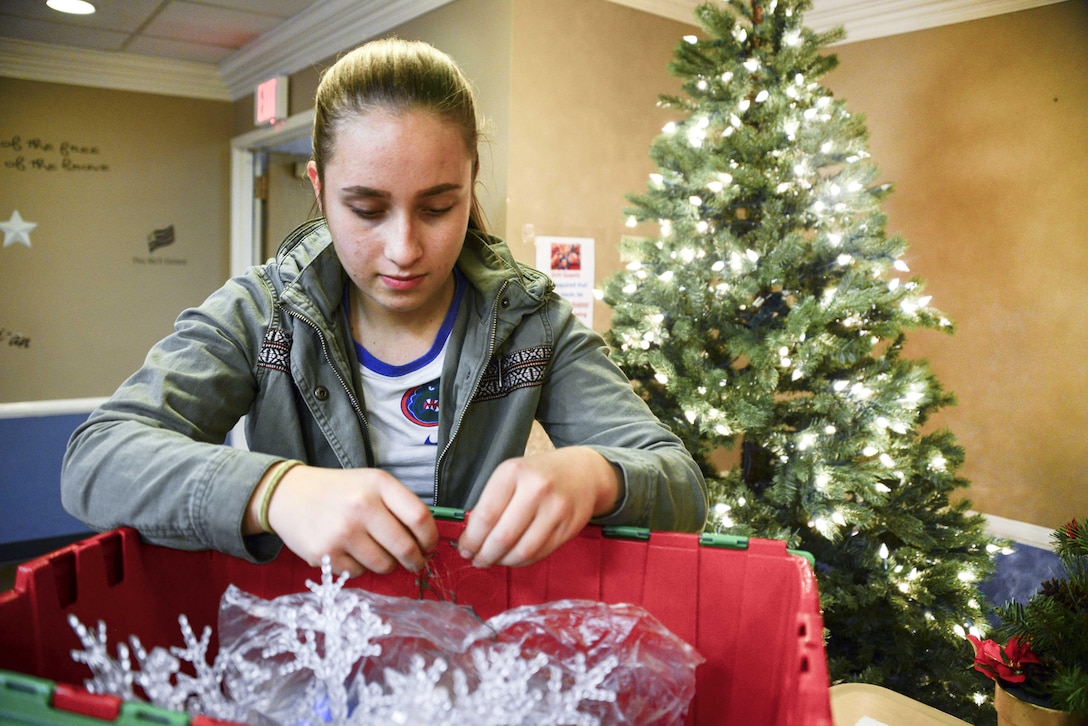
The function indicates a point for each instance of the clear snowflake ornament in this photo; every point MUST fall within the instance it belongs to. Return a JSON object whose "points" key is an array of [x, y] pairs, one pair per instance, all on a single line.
{"points": [[337, 655]]}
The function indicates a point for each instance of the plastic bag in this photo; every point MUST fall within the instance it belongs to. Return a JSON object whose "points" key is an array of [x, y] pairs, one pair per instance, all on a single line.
{"points": [[347, 656]]}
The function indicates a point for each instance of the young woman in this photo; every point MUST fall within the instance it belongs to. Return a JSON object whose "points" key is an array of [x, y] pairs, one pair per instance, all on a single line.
{"points": [[392, 356]]}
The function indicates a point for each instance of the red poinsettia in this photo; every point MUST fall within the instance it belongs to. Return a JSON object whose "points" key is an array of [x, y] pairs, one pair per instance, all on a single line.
{"points": [[1003, 662]]}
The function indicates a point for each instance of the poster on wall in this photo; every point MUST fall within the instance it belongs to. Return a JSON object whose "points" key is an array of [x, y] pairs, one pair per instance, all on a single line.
{"points": [[569, 262]]}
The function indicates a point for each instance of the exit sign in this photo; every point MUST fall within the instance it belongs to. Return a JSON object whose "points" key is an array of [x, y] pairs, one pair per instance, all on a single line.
{"points": [[270, 101]]}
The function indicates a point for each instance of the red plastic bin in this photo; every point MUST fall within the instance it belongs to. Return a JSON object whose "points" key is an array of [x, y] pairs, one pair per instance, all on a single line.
{"points": [[753, 613]]}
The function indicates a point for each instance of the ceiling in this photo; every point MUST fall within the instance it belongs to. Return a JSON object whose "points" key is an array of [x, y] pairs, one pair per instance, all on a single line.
{"points": [[222, 48], [202, 31]]}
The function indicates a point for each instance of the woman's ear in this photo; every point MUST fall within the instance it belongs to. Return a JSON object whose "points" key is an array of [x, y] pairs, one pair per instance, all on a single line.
{"points": [[315, 180]]}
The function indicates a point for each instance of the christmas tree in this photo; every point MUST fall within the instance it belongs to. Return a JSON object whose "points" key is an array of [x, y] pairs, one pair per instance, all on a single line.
{"points": [[766, 315]]}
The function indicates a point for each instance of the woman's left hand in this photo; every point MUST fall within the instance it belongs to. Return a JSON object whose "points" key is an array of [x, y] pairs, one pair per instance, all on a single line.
{"points": [[533, 504]]}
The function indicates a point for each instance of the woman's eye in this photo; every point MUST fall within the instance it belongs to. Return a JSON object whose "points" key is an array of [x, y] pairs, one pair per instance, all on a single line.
{"points": [[437, 211], [366, 213]]}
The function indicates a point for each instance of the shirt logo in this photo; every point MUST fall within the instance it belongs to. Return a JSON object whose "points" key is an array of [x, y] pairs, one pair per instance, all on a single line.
{"points": [[420, 404]]}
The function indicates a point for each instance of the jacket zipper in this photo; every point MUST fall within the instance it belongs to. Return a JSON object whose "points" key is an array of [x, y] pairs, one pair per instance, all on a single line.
{"points": [[476, 387], [347, 388]]}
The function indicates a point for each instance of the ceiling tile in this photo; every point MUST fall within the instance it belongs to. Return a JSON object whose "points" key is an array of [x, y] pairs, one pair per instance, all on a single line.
{"points": [[125, 16], [177, 49], [280, 8], [210, 25], [58, 34]]}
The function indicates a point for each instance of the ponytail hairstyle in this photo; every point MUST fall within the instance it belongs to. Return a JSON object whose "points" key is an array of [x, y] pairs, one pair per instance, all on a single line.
{"points": [[397, 76]]}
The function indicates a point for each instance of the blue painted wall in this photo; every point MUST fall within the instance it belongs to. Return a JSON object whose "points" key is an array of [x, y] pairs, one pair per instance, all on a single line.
{"points": [[31, 449]]}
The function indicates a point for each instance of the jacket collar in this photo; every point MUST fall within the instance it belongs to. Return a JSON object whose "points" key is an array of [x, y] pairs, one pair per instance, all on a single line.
{"points": [[489, 265], [309, 273]]}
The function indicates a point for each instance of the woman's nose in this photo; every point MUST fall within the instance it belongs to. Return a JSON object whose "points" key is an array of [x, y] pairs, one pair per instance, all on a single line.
{"points": [[402, 245]]}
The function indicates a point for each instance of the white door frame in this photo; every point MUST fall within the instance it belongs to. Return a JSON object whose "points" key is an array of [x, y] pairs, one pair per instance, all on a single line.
{"points": [[245, 249], [245, 226]]}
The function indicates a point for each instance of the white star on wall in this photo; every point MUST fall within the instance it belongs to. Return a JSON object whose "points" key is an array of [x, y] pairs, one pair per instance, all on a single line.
{"points": [[16, 230]]}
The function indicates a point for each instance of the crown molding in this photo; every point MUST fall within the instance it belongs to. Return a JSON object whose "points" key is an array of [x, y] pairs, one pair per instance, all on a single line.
{"points": [[331, 26], [871, 19], [323, 30], [102, 69], [866, 19]]}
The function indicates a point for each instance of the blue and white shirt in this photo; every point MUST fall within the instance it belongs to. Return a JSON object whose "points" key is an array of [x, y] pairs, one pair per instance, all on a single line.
{"points": [[402, 408]]}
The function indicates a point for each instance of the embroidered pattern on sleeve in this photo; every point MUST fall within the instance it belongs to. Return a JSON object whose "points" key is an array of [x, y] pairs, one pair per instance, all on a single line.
{"points": [[275, 351], [520, 369]]}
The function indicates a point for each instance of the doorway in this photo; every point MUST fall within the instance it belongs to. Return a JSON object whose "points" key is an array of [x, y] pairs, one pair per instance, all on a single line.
{"points": [[267, 197]]}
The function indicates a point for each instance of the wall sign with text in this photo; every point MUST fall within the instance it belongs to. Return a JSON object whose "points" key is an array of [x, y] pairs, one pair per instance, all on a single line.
{"points": [[569, 261]]}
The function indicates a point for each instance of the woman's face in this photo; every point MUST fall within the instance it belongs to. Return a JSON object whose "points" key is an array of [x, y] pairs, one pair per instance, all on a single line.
{"points": [[397, 194]]}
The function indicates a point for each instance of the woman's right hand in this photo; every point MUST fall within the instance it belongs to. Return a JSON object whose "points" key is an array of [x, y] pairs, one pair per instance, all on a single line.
{"points": [[361, 518]]}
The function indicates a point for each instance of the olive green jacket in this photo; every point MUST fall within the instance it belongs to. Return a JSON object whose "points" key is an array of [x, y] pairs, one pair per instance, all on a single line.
{"points": [[273, 345]]}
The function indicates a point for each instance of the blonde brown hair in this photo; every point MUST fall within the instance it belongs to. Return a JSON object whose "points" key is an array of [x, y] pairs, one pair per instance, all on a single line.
{"points": [[396, 75]]}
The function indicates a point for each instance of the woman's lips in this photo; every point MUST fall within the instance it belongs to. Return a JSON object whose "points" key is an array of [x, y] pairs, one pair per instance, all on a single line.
{"points": [[402, 282]]}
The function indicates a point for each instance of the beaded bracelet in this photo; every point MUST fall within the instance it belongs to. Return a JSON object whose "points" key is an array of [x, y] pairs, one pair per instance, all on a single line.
{"points": [[277, 477]]}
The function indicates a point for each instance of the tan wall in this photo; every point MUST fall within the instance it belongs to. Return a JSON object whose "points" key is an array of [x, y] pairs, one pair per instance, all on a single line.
{"points": [[87, 293], [584, 85], [983, 128]]}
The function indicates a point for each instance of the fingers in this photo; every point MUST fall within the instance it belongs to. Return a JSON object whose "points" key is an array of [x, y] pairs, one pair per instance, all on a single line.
{"points": [[523, 515], [537, 541], [379, 547], [343, 563], [414, 515], [393, 528], [361, 518], [402, 531], [493, 502]]}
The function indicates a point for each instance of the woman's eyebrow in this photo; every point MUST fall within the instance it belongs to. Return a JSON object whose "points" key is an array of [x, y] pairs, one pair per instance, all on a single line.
{"points": [[362, 191], [439, 189], [365, 191]]}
